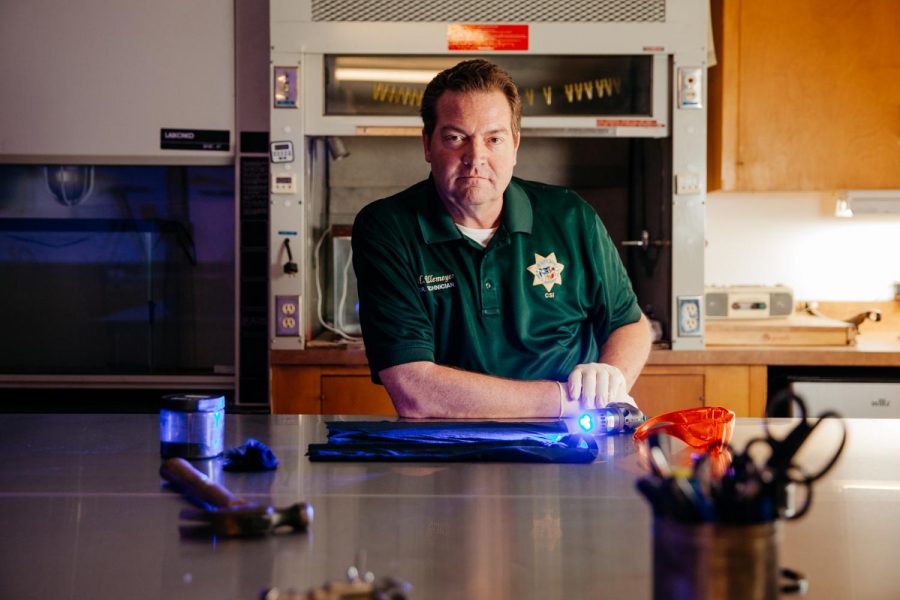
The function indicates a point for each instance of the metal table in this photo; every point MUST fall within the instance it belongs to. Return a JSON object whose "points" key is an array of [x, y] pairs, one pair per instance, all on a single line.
{"points": [[83, 514]]}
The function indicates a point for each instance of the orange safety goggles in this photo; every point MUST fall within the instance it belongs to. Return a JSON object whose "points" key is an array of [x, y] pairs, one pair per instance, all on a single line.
{"points": [[707, 428]]}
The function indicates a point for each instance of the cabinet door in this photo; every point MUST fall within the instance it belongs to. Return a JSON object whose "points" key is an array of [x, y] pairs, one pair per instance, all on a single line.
{"points": [[354, 395], [660, 390], [740, 388], [805, 95], [327, 390]]}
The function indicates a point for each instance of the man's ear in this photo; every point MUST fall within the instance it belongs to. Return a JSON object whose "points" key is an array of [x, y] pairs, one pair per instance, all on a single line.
{"points": [[426, 144]]}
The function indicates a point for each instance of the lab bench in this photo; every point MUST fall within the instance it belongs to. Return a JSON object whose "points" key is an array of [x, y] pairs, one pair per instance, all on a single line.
{"points": [[84, 514]]}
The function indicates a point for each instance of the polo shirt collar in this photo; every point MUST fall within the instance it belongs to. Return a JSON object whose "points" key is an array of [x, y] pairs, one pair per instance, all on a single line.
{"points": [[517, 215], [437, 225]]}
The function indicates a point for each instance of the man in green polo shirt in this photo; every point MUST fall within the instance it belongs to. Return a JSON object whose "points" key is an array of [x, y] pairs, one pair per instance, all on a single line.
{"points": [[483, 295]]}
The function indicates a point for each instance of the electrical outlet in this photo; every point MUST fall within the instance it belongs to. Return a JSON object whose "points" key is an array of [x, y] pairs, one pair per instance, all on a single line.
{"points": [[689, 319], [287, 316], [690, 87]]}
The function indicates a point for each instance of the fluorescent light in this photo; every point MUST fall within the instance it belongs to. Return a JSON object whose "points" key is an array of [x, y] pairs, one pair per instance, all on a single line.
{"points": [[386, 75], [867, 202], [842, 208]]}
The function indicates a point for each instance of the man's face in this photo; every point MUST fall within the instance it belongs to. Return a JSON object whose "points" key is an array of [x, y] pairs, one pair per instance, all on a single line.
{"points": [[472, 152]]}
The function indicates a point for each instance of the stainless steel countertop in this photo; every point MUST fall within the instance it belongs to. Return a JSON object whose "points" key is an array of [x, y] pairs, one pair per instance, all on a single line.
{"points": [[83, 514]]}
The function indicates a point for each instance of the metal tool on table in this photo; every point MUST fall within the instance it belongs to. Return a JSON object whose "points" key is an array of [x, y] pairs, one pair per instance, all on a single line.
{"points": [[223, 513], [360, 584], [386, 588]]}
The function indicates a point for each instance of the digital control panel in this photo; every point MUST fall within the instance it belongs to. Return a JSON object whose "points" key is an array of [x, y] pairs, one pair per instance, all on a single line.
{"points": [[284, 183], [282, 152]]}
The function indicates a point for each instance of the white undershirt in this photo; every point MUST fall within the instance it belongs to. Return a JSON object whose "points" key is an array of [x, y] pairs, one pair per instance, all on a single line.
{"points": [[481, 236]]}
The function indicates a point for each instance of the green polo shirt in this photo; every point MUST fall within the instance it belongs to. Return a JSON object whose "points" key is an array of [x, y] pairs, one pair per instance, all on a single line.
{"points": [[542, 298]]}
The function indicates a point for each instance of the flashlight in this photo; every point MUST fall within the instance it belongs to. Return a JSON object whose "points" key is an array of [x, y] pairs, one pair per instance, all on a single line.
{"points": [[615, 417]]}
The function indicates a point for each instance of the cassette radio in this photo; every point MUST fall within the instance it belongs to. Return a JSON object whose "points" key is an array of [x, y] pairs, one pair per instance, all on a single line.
{"points": [[749, 302]]}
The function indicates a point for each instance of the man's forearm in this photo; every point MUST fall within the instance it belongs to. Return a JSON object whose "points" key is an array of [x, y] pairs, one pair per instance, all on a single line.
{"points": [[628, 348], [426, 390]]}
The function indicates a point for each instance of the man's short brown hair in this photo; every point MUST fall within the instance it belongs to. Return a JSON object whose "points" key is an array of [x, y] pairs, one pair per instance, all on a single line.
{"points": [[476, 75]]}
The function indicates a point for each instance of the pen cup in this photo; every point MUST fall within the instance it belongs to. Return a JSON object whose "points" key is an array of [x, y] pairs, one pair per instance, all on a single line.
{"points": [[705, 560]]}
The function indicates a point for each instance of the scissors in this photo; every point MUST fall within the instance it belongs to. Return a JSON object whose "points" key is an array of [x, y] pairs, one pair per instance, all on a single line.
{"points": [[775, 479]]}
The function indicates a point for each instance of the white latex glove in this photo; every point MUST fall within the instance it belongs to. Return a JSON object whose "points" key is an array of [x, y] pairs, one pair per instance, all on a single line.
{"points": [[594, 385]]}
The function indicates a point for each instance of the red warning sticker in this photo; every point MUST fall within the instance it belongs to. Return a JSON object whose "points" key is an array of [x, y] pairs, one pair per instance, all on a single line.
{"points": [[467, 36]]}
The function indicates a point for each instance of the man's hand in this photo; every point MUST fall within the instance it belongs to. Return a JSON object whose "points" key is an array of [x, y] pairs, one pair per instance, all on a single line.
{"points": [[594, 385]]}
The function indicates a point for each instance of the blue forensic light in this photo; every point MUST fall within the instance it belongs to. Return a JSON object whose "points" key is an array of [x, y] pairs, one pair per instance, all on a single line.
{"points": [[599, 421], [614, 417], [586, 421]]}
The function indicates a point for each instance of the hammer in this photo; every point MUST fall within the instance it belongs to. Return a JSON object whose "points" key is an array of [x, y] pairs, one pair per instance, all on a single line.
{"points": [[226, 514]]}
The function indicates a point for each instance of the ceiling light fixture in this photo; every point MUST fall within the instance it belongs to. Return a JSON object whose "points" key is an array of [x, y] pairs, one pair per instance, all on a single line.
{"points": [[867, 202]]}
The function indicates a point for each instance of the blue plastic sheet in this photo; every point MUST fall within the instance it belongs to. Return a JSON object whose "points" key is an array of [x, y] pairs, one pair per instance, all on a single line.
{"points": [[454, 441]]}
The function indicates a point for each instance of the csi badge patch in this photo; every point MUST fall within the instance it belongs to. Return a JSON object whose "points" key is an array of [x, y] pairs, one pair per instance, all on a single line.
{"points": [[547, 272]]}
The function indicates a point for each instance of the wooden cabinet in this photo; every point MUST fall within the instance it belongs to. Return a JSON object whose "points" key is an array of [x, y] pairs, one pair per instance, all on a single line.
{"points": [[328, 390], [741, 388], [348, 390], [660, 390], [354, 394], [805, 95]]}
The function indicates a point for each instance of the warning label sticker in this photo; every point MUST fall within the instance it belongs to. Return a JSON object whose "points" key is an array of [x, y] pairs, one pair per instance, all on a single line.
{"points": [[466, 36]]}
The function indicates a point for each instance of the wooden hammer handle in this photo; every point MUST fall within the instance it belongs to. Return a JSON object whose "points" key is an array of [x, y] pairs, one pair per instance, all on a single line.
{"points": [[182, 474]]}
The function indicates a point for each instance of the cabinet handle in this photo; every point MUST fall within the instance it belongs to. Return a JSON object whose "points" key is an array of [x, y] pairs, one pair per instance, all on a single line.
{"points": [[645, 241]]}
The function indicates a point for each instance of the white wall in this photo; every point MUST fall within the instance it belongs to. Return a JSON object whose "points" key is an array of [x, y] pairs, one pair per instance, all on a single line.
{"points": [[794, 239]]}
